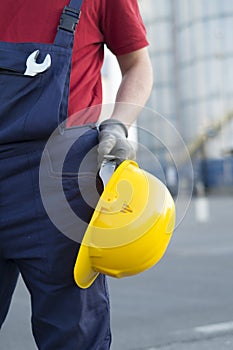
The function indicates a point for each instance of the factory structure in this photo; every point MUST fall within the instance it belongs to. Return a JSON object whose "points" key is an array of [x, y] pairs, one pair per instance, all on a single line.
{"points": [[191, 49]]}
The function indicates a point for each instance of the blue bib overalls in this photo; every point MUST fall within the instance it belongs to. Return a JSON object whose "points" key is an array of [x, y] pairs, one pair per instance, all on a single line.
{"points": [[64, 316]]}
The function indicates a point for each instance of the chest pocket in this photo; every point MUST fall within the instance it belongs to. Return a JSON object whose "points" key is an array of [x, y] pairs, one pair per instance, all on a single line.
{"points": [[19, 93]]}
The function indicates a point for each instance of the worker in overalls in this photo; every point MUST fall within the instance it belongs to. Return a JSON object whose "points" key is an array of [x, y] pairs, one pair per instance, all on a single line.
{"points": [[50, 62]]}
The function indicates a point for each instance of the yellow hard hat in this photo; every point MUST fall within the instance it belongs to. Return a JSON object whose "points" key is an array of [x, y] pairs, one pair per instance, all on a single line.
{"points": [[130, 228]]}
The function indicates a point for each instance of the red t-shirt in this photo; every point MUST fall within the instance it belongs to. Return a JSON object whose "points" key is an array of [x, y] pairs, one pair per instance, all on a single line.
{"points": [[116, 23]]}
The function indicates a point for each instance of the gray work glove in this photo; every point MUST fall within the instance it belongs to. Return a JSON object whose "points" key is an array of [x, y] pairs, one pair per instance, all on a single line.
{"points": [[113, 141]]}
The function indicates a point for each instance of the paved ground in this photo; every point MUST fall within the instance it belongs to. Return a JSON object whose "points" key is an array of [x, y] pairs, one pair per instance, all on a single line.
{"points": [[184, 303]]}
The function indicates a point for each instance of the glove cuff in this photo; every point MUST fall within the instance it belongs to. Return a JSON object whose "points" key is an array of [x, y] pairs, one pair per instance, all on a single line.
{"points": [[113, 122]]}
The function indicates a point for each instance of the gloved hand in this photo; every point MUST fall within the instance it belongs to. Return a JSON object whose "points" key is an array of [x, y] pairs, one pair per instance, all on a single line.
{"points": [[113, 141]]}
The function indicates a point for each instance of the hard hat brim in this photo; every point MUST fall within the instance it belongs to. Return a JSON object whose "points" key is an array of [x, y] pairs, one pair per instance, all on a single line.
{"points": [[84, 274]]}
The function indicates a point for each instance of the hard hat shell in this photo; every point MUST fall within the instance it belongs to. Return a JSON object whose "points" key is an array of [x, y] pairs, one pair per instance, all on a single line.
{"points": [[130, 228]]}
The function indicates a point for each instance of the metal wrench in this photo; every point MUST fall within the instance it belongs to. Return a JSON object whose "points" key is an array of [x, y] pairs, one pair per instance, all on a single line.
{"points": [[34, 68]]}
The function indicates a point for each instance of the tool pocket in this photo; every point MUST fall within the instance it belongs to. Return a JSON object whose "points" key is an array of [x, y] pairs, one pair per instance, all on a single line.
{"points": [[68, 171], [19, 94], [32, 107], [73, 152]]}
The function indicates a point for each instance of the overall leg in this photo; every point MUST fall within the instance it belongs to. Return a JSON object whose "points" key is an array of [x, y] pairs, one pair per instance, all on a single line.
{"points": [[65, 317]]}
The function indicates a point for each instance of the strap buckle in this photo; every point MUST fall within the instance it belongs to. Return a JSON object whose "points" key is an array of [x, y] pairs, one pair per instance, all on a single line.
{"points": [[69, 19]]}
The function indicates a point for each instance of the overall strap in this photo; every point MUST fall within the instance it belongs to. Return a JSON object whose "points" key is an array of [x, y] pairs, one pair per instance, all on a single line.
{"points": [[68, 22]]}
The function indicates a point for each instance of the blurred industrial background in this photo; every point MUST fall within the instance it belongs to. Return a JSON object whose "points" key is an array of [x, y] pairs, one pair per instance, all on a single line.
{"points": [[191, 49]]}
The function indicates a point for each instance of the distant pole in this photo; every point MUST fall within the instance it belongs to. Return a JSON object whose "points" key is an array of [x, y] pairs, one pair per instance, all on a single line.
{"points": [[201, 202]]}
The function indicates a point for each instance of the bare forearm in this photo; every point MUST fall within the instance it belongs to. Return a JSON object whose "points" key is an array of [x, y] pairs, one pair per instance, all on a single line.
{"points": [[135, 88]]}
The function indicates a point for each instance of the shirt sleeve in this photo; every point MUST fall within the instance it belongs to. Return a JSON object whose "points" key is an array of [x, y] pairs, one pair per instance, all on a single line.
{"points": [[122, 26]]}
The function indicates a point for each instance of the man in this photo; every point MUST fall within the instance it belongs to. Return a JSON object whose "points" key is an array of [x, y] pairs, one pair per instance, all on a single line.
{"points": [[63, 316]]}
